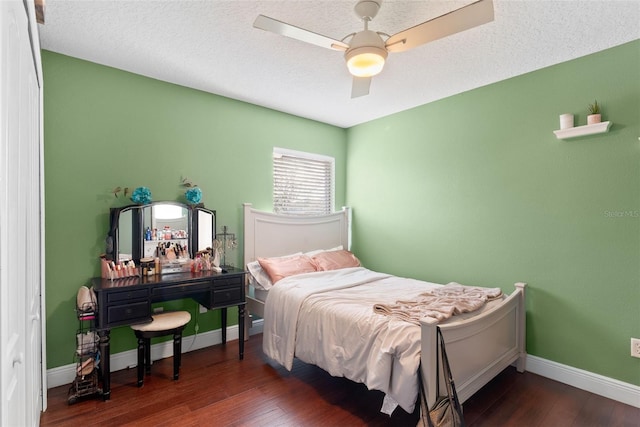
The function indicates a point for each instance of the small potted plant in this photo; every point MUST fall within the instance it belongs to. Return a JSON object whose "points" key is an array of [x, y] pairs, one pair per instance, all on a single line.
{"points": [[594, 113]]}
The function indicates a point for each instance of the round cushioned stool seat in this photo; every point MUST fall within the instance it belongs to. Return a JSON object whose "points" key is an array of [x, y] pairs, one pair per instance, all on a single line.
{"points": [[164, 321], [168, 323]]}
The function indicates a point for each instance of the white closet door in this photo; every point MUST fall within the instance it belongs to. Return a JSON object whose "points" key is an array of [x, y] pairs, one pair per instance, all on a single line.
{"points": [[20, 224], [30, 123]]}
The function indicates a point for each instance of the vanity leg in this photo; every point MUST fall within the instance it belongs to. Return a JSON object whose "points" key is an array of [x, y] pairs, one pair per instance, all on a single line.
{"points": [[105, 362], [247, 324], [141, 363], [224, 325], [241, 325]]}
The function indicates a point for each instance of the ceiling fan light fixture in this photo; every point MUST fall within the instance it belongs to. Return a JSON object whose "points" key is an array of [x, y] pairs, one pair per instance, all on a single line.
{"points": [[366, 62], [366, 54]]}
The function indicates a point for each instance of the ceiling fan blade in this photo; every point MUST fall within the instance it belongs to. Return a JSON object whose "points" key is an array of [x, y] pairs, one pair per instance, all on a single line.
{"points": [[269, 24], [360, 86], [466, 17]]}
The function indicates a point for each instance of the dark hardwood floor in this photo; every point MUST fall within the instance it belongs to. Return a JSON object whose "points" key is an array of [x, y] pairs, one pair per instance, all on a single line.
{"points": [[215, 388]]}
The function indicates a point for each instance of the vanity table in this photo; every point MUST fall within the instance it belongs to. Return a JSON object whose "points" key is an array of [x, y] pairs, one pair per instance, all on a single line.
{"points": [[139, 231], [128, 301]]}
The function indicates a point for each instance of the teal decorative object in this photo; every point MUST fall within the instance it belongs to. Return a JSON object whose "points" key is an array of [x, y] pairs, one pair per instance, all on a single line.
{"points": [[141, 196], [193, 195]]}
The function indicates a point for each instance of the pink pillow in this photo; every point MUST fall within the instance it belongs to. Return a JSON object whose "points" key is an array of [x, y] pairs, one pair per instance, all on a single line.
{"points": [[279, 268], [334, 260]]}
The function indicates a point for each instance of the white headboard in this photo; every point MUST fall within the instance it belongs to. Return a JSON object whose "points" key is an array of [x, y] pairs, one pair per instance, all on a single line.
{"points": [[268, 234]]}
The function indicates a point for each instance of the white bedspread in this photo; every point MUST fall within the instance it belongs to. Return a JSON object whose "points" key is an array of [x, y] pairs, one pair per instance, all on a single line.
{"points": [[326, 318]]}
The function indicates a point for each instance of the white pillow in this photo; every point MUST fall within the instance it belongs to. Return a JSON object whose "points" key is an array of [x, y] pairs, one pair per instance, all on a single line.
{"points": [[319, 251]]}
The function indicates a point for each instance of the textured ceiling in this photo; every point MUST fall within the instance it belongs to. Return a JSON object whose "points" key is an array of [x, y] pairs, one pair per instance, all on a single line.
{"points": [[212, 46]]}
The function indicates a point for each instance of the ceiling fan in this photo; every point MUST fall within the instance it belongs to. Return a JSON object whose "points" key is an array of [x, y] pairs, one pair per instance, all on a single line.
{"points": [[366, 50]]}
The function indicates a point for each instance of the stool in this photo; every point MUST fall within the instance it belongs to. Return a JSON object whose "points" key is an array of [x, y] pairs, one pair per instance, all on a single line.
{"points": [[169, 323]]}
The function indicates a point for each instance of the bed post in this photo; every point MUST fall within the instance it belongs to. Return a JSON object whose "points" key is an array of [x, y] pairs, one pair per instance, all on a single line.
{"points": [[522, 329], [428, 359], [348, 213]]}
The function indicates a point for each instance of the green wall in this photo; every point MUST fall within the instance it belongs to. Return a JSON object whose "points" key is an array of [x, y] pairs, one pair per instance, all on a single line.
{"points": [[105, 128], [476, 189]]}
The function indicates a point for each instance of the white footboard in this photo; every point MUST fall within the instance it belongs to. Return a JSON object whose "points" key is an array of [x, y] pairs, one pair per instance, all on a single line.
{"points": [[478, 348]]}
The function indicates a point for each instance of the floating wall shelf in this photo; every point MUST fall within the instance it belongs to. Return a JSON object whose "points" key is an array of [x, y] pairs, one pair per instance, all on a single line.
{"points": [[583, 130]]}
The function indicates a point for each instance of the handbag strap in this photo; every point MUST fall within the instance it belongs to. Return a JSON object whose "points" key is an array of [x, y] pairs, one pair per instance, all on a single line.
{"points": [[439, 350], [424, 405], [446, 369], [452, 395], [448, 376], [424, 410]]}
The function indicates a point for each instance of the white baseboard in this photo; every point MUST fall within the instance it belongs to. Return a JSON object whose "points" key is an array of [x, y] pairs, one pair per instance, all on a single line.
{"points": [[127, 359], [584, 380]]}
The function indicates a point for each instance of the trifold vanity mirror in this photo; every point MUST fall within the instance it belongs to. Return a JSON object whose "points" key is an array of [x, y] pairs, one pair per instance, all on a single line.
{"points": [[136, 231]]}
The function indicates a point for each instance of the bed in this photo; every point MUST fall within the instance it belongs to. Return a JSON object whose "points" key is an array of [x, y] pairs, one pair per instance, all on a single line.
{"points": [[479, 344]]}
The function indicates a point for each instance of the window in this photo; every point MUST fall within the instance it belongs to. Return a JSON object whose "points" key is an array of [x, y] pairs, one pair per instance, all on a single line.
{"points": [[303, 183]]}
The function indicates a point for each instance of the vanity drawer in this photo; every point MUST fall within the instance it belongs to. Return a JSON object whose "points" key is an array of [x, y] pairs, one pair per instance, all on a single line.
{"points": [[229, 281], [124, 314], [228, 295], [128, 295], [180, 290]]}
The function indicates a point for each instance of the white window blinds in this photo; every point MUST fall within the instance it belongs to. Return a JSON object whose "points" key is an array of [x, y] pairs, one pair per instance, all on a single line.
{"points": [[302, 183]]}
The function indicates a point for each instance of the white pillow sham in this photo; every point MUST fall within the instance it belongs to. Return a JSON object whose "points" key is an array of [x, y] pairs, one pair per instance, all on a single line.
{"points": [[319, 251]]}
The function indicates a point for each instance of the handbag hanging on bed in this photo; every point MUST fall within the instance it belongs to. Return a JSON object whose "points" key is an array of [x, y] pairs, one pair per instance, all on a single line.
{"points": [[446, 411]]}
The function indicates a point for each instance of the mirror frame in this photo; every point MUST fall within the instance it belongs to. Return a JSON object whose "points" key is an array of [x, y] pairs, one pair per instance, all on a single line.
{"points": [[113, 237], [113, 241], [196, 226]]}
